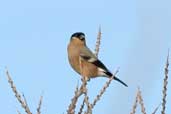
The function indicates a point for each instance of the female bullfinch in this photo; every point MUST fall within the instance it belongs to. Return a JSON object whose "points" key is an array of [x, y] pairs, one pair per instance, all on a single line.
{"points": [[84, 62]]}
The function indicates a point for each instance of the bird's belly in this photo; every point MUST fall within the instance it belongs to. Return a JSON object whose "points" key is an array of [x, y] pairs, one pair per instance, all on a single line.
{"points": [[89, 70], [74, 61], [85, 69]]}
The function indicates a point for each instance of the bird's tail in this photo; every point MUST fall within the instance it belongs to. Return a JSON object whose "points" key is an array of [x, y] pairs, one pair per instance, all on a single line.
{"points": [[115, 78]]}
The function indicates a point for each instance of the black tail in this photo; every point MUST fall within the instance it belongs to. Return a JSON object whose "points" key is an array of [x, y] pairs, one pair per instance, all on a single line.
{"points": [[117, 79]]}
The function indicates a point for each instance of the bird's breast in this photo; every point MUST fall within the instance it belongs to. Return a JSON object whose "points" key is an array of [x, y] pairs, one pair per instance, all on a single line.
{"points": [[82, 67], [73, 57]]}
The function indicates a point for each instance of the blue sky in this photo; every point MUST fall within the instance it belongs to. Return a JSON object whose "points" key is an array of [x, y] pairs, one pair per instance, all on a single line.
{"points": [[33, 40]]}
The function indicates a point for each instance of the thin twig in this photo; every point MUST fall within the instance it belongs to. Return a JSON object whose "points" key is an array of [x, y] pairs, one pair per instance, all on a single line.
{"points": [[17, 95], [86, 98], [39, 105], [135, 104], [72, 106], [98, 42], [141, 102], [82, 107], [25, 101], [103, 90], [89, 108], [154, 112], [165, 85]]}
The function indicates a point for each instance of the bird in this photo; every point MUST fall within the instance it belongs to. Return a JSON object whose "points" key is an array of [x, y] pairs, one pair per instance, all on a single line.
{"points": [[84, 61]]}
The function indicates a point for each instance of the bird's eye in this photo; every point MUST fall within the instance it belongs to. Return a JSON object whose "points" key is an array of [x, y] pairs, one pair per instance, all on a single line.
{"points": [[82, 37]]}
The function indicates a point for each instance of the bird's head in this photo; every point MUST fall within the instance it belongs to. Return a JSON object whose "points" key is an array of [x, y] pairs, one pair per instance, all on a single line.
{"points": [[78, 37]]}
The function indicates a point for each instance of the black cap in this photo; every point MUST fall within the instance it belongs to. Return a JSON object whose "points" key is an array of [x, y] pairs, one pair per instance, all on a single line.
{"points": [[78, 34]]}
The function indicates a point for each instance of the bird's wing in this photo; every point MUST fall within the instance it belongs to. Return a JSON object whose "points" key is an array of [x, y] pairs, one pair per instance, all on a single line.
{"points": [[88, 56]]}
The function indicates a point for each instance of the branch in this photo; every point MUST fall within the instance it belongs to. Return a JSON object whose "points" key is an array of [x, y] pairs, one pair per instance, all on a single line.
{"points": [[82, 107], [165, 85], [39, 105], [103, 90], [72, 106], [98, 42], [17, 95], [135, 104], [156, 109], [141, 102]]}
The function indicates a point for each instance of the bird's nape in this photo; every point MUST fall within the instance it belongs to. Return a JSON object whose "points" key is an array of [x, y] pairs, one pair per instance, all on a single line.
{"points": [[117, 79]]}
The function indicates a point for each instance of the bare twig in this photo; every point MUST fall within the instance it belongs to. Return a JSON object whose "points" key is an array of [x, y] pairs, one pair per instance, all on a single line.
{"points": [[98, 42], [25, 101], [39, 105], [103, 90], [86, 98], [165, 85], [82, 107], [141, 102], [17, 95], [154, 112], [89, 108], [135, 104], [72, 106]]}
